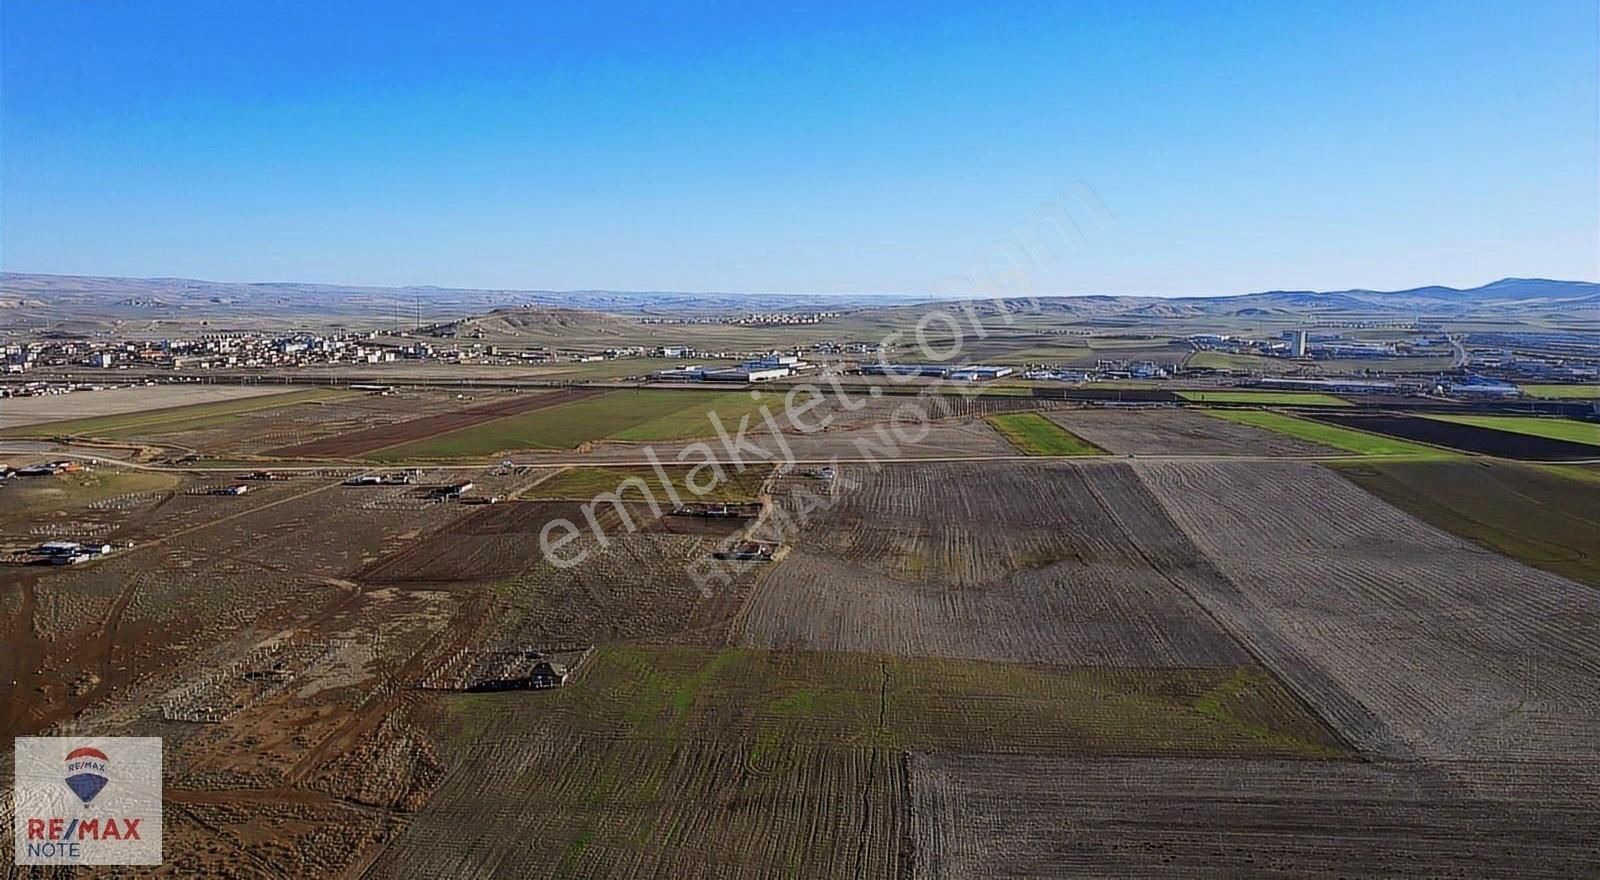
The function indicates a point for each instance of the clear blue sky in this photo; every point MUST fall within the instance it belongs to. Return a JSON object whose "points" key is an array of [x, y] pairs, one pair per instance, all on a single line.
{"points": [[856, 147]]}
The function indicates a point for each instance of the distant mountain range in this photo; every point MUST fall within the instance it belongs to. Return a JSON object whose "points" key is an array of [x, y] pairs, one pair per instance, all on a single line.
{"points": [[75, 303]]}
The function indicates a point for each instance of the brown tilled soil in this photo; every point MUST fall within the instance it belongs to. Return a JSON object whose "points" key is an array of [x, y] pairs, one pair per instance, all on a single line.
{"points": [[493, 541], [1456, 652], [1000, 816], [1018, 561]]}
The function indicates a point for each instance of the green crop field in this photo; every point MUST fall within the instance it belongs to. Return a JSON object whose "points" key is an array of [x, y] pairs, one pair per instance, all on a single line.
{"points": [[795, 760], [1535, 426], [1571, 392], [625, 415], [1265, 398], [171, 419], [35, 496], [1359, 442], [1036, 435], [1221, 360], [1548, 517], [698, 694], [583, 483], [694, 418]]}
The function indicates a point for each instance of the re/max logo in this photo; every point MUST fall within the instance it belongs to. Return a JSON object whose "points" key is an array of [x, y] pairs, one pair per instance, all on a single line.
{"points": [[57, 828]]}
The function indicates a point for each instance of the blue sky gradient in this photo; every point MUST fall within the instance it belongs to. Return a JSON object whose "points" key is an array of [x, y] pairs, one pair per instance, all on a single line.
{"points": [[810, 148]]}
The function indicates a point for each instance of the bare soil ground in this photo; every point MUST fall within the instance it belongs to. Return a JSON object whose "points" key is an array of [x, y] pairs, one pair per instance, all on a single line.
{"points": [[983, 815], [1017, 561], [18, 411], [1547, 517], [491, 542], [638, 586], [1176, 432], [1459, 653], [257, 433]]}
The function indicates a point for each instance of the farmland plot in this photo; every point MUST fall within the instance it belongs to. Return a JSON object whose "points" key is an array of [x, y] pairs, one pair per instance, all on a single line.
{"points": [[413, 431], [958, 404], [536, 803], [992, 816], [636, 587], [493, 541], [258, 432], [1546, 517], [1018, 562], [1459, 652], [680, 762], [1470, 437], [1172, 431]]}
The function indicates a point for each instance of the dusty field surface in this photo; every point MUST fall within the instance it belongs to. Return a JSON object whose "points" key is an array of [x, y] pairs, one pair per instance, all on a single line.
{"points": [[1021, 562], [876, 439], [983, 815], [360, 442], [1173, 431], [18, 411], [492, 542], [674, 762], [1452, 653], [1467, 438], [1001, 668], [636, 587], [1547, 517], [204, 571], [253, 434], [241, 611], [540, 803]]}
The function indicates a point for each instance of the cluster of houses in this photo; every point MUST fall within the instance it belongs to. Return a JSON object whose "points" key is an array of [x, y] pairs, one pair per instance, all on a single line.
{"points": [[755, 319], [209, 351]]}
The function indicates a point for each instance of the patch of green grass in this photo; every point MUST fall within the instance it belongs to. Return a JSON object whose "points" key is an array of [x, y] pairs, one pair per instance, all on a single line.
{"points": [[694, 418], [1335, 436], [34, 496], [1534, 426], [171, 419], [682, 694], [1568, 392], [1034, 434], [1265, 398], [1221, 360], [629, 415], [583, 483]]}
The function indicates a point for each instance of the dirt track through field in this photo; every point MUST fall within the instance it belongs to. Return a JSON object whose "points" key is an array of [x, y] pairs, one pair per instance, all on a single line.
{"points": [[361, 442]]}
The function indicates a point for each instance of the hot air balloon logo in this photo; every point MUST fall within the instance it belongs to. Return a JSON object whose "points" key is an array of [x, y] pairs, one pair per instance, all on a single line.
{"points": [[86, 772]]}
